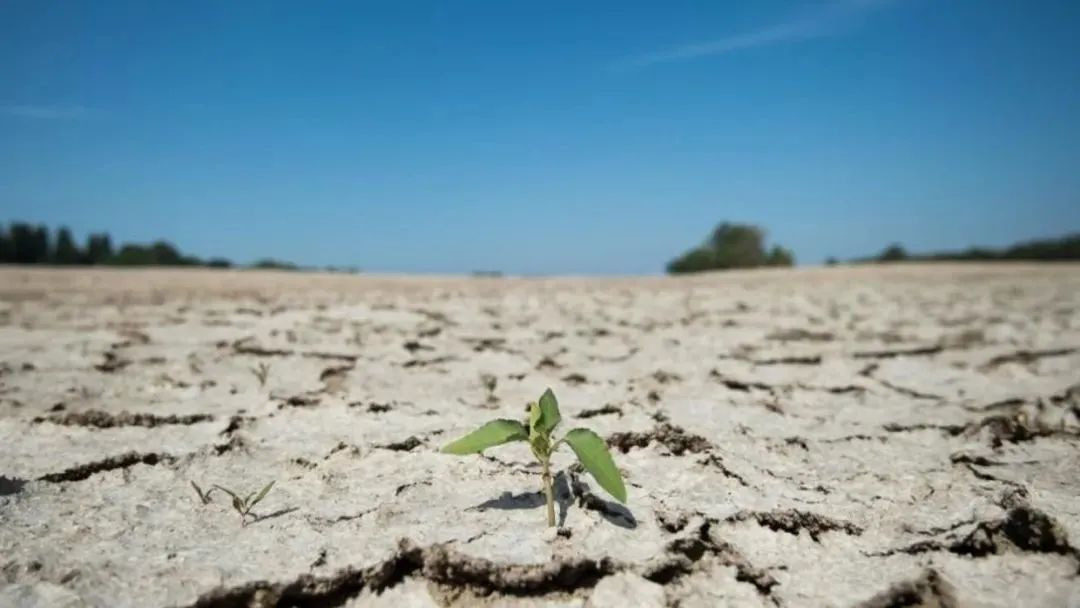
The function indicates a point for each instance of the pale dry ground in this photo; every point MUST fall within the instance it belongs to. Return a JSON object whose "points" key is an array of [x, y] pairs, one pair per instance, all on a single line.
{"points": [[880, 436]]}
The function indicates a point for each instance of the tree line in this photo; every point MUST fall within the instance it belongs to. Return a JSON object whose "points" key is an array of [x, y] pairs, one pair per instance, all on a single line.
{"points": [[728, 246], [23, 243], [1051, 249]]}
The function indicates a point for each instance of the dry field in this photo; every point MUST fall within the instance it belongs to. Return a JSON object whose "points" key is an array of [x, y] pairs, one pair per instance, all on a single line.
{"points": [[880, 436]]}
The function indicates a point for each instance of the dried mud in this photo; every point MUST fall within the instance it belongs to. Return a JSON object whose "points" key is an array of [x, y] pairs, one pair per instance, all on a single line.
{"points": [[875, 436]]}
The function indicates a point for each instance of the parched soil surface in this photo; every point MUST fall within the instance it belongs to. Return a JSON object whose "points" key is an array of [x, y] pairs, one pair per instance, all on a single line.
{"points": [[877, 436]]}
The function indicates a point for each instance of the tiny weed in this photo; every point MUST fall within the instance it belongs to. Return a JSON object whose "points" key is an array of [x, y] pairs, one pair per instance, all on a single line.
{"points": [[203, 496], [543, 418], [261, 371], [243, 506]]}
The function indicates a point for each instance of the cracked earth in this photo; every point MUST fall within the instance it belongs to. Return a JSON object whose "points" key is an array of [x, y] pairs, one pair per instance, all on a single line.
{"points": [[872, 437]]}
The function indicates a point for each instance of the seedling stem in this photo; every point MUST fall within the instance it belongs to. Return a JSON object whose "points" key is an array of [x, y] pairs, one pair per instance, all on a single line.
{"points": [[549, 492]]}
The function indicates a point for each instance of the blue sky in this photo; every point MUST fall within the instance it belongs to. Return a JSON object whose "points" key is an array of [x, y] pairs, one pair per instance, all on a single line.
{"points": [[553, 137]]}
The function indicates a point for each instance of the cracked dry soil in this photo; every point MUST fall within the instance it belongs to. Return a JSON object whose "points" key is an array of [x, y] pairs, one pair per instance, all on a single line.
{"points": [[875, 437]]}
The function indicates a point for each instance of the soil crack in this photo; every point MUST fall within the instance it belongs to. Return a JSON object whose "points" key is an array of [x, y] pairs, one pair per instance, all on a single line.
{"points": [[687, 554], [922, 351], [1025, 357], [244, 346], [1023, 528], [929, 590], [793, 521], [104, 420], [123, 461], [437, 564], [678, 442]]}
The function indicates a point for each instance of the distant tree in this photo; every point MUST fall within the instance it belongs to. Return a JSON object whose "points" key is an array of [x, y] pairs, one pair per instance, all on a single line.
{"points": [[731, 245], [893, 253], [738, 246], [972, 253], [219, 263], [22, 243], [695, 260], [1064, 248], [31, 245], [982, 253], [133, 255], [7, 248], [831, 261], [165, 254], [43, 253], [98, 249], [272, 264], [159, 253], [779, 256], [66, 250]]}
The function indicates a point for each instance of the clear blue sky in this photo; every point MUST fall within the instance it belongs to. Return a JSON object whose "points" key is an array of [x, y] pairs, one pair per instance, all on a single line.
{"points": [[540, 137]]}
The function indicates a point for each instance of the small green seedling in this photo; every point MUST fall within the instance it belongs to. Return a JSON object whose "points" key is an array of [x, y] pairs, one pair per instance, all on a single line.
{"points": [[261, 372], [244, 505], [203, 496], [543, 418]]}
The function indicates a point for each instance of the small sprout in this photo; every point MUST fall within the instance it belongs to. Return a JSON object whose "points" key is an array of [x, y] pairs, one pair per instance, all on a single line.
{"points": [[203, 496], [489, 381], [244, 505], [261, 371], [543, 418]]}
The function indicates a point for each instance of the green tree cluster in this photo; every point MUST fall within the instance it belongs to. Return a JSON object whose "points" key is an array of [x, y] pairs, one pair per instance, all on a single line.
{"points": [[893, 253], [1052, 249], [732, 246], [272, 264], [23, 243]]}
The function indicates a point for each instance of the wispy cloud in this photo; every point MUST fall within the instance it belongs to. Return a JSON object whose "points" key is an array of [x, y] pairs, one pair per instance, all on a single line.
{"points": [[46, 112], [828, 18]]}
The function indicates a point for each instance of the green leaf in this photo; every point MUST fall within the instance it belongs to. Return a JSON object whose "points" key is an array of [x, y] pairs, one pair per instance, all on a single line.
{"points": [[202, 496], [541, 446], [596, 459], [227, 491], [549, 414], [262, 494], [239, 506], [496, 432]]}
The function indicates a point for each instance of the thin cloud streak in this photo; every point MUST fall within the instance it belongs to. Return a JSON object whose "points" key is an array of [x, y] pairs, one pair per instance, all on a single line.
{"points": [[46, 112], [830, 18]]}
